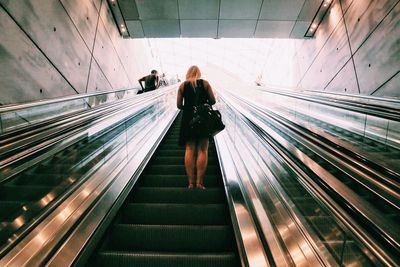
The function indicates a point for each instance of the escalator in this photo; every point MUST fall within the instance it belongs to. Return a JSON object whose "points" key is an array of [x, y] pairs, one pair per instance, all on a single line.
{"points": [[163, 223], [28, 194]]}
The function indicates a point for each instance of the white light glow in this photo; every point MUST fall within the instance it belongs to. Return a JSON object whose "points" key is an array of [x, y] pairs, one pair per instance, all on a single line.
{"points": [[267, 61]]}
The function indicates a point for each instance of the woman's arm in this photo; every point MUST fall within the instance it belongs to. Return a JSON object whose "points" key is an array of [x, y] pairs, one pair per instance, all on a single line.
{"points": [[179, 98], [210, 92]]}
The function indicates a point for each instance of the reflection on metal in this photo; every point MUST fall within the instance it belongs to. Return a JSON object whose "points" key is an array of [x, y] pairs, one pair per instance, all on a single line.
{"points": [[264, 125], [52, 227], [251, 249]]}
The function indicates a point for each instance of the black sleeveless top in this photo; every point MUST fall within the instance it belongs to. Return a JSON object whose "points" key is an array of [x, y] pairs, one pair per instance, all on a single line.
{"points": [[189, 98]]}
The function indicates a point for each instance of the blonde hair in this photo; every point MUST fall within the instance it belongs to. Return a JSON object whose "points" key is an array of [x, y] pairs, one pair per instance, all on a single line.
{"points": [[192, 75]]}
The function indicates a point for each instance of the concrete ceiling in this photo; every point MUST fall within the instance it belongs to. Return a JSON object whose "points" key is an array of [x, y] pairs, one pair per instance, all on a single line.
{"points": [[215, 18]]}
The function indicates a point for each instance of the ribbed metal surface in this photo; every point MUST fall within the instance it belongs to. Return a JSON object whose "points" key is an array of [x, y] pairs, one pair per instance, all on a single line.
{"points": [[163, 223]]}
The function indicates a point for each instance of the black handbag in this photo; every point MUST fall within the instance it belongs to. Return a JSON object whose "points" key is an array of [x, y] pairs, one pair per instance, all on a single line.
{"points": [[206, 121]]}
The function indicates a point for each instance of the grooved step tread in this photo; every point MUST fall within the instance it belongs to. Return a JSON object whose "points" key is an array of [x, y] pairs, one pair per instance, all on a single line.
{"points": [[175, 214], [157, 259], [175, 180], [177, 169], [178, 160], [171, 238], [177, 195]]}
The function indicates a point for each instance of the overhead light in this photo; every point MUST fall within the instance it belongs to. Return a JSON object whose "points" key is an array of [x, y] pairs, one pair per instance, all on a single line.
{"points": [[123, 30], [122, 25], [319, 16]]}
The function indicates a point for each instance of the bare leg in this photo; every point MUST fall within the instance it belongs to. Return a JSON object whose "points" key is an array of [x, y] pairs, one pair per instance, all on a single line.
{"points": [[189, 162], [202, 161]]}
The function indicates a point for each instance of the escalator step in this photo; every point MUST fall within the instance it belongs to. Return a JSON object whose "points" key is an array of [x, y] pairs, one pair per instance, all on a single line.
{"points": [[7, 208], [156, 259], [162, 180], [20, 193], [171, 238], [176, 169], [175, 214], [178, 195], [178, 160], [171, 153]]}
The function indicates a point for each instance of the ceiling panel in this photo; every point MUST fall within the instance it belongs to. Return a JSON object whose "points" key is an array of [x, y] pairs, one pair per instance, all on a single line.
{"points": [[236, 18], [309, 10], [161, 28], [129, 9], [135, 28], [281, 9], [156, 9], [199, 28], [239, 9], [274, 29], [236, 28], [198, 9], [300, 29]]}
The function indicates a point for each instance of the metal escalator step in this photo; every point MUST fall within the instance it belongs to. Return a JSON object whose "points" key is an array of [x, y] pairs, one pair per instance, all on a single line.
{"points": [[157, 259], [177, 169], [171, 238], [41, 179], [326, 227], [175, 214], [179, 160], [163, 180], [308, 206], [8, 207], [177, 195], [22, 193], [295, 190], [171, 152]]}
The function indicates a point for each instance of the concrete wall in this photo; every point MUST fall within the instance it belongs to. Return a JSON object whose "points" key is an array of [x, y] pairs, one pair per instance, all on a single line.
{"points": [[53, 48], [356, 50]]}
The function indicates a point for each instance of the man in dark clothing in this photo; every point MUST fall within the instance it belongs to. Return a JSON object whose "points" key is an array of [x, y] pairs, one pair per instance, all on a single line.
{"points": [[151, 82]]}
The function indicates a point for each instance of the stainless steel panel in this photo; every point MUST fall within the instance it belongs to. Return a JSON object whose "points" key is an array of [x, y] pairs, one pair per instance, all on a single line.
{"points": [[49, 26], [362, 18], [156, 9], [129, 9], [84, 15], [345, 81], [332, 57], [299, 29], [309, 10], [378, 59], [108, 60], [161, 28], [239, 9], [135, 28], [199, 28], [24, 69], [281, 9], [390, 88], [198, 9], [97, 81], [274, 29], [236, 28]]}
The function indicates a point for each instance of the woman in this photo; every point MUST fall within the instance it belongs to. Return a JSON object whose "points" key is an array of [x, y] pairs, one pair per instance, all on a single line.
{"points": [[196, 143]]}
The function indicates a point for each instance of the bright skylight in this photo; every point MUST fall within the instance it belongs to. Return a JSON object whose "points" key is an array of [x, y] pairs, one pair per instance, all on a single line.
{"points": [[267, 60]]}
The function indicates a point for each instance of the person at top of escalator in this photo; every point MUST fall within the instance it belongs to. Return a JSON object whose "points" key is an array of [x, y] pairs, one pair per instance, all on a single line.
{"points": [[151, 82], [196, 143]]}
